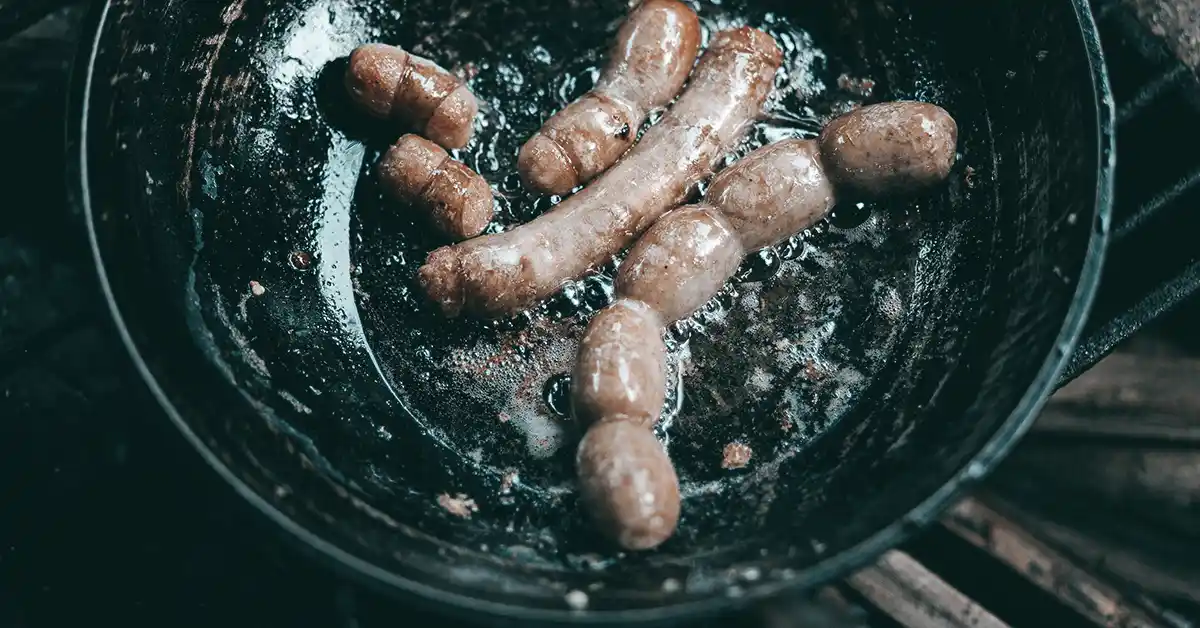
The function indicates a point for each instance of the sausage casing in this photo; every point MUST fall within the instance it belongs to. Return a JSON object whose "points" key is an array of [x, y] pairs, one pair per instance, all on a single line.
{"points": [[648, 64], [391, 83], [889, 148], [620, 370], [773, 192], [628, 484], [456, 200], [681, 262], [500, 274]]}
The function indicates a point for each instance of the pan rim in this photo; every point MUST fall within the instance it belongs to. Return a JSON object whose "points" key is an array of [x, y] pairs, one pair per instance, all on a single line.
{"points": [[860, 555]]}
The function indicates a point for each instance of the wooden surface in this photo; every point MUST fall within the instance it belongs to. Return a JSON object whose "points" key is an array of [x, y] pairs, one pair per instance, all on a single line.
{"points": [[1107, 489], [1103, 517], [1008, 541], [1122, 440], [917, 598], [1177, 22], [1130, 396], [1136, 562]]}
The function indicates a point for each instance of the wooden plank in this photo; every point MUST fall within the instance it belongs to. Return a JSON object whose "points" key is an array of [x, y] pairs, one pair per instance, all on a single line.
{"points": [[827, 609], [1163, 478], [981, 525], [916, 598], [1130, 395], [1132, 561], [41, 299], [1153, 485], [1056, 420], [1175, 23]]}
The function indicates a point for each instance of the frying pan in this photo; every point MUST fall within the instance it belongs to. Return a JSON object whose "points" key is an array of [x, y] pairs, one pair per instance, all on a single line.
{"points": [[876, 365]]}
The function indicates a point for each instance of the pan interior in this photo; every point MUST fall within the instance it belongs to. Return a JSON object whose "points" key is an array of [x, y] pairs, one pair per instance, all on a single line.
{"points": [[861, 363]]}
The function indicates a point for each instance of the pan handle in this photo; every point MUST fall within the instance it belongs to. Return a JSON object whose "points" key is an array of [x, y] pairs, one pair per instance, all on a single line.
{"points": [[1116, 317], [17, 15]]}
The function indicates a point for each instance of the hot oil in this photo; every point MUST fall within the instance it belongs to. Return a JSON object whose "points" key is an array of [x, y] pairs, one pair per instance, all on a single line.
{"points": [[770, 363]]}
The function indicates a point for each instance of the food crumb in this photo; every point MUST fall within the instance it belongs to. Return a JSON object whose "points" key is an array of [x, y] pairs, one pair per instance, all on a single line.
{"points": [[257, 289], [969, 177], [460, 505], [736, 456], [300, 260], [577, 600], [670, 585]]}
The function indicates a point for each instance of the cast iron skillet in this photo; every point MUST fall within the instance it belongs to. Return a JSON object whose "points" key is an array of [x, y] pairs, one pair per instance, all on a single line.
{"points": [[889, 362]]}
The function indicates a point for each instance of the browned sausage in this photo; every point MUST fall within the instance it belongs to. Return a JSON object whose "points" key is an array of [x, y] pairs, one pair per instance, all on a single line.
{"points": [[685, 258], [681, 262], [648, 64], [889, 148], [455, 199], [677, 266], [772, 193], [628, 484], [621, 365], [496, 275], [392, 84]]}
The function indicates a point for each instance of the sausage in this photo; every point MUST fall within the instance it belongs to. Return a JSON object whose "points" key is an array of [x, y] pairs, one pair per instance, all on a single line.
{"points": [[889, 148], [390, 83], [681, 262], [500, 274], [621, 365], [648, 64], [628, 484], [455, 199], [773, 192]]}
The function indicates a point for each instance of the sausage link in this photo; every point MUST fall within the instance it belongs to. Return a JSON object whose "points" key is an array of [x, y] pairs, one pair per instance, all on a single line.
{"points": [[773, 192], [679, 264], [628, 484], [621, 366], [455, 199], [648, 64], [889, 148], [499, 274], [781, 189], [390, 83]]}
